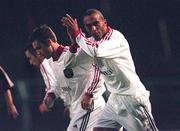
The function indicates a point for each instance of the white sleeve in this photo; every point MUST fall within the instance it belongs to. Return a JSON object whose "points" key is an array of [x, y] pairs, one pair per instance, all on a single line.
{"points": [[80, 58], [109, 47], [86, 45], [48, 76], [70, 60], [95, 81]]}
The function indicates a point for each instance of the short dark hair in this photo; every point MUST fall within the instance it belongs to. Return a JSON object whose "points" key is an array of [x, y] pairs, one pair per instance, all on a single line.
{"points": [[93, 11], [30, 48], [42, 34]]}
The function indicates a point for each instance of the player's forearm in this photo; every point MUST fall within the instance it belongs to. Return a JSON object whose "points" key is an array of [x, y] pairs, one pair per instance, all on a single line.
{"points": [[9, 99], [49, 100]]}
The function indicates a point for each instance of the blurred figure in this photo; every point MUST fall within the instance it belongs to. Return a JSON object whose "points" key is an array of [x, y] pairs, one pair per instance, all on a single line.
{"points": [[5, 86], [40, 62]]}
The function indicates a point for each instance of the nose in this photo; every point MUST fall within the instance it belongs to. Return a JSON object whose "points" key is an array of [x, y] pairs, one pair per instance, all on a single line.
{"points": [[31, 62], [93, 28]]}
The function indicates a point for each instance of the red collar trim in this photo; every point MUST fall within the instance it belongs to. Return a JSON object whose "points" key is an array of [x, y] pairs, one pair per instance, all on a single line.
{"points": [[58, 53]]}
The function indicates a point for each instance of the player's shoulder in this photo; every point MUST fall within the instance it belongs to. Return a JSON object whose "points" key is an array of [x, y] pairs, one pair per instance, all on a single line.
{"points": [[117, 32]]}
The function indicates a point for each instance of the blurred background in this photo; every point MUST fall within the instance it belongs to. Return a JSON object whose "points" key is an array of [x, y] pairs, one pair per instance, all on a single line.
{"points": [[152, 28]]}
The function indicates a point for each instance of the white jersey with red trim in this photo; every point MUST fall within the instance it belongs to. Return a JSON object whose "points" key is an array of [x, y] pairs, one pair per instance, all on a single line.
{"points": [[86, 78], [61, 87], [113, 57], [81, 78], [48, 75]]}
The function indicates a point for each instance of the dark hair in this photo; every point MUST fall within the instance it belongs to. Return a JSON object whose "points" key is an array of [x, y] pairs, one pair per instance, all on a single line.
{"points": [[93, 11], [30, 48], [42, 34]]}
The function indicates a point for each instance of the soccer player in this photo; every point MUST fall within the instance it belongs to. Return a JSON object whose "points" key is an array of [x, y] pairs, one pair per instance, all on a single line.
{"points": [[5, 86], [40, 62], [128, 104], [80, 86]]}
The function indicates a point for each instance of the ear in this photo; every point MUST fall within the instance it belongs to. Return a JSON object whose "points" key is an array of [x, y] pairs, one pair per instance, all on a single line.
{"points": [[105, 22], [49, 42]]}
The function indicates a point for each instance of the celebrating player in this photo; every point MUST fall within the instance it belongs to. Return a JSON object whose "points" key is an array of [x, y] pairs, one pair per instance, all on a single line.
{"points": [[128, 104]]}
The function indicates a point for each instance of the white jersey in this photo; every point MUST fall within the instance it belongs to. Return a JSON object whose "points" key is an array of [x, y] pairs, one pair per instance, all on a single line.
{"points": [[86, 79], [112, 55], [128, 104], [48, 76], [61, 87]]}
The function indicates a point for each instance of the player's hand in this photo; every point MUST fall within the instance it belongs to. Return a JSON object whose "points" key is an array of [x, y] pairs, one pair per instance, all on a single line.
{"points": [[13, 111], [66, 111], [71, 37], [70, 24], [86, 102], [43, 108]]}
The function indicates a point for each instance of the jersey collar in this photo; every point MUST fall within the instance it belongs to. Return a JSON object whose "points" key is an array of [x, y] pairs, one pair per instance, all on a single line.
{"points": [[58, 53]]}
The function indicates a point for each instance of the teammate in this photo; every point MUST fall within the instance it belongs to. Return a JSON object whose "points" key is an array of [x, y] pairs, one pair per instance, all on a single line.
{"points": [[80, 86], [5, 86], [40, 62], [128, 104]]}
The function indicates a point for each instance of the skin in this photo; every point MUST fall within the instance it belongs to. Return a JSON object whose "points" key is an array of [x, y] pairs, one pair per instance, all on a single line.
{"points": [[45, 50], [11, 107], [33, 60], [96, 25]]}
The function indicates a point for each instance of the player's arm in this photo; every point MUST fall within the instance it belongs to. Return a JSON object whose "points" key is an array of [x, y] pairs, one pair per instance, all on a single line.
{"points": [[10, 104], [52, 91], [50, 82], [70, 57], [88, 96], [5, 84], [109, 47], [74, 30]]}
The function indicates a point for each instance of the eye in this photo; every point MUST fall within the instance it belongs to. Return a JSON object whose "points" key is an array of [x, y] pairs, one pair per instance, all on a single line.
{"points": [[88, 25], [95, 23], [38, 48]]}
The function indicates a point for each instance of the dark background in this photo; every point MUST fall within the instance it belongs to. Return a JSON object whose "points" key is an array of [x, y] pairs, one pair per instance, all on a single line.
{"points": [[152, 28]]}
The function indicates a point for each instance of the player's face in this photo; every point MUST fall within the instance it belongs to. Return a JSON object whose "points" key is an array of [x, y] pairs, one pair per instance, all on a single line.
{"points": [[42, 49], [95, 25], [33, 60]]}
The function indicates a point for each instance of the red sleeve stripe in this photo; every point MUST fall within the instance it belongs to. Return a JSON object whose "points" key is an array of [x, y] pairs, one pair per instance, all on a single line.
{"points": [[49, 86], [95, 81]]}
